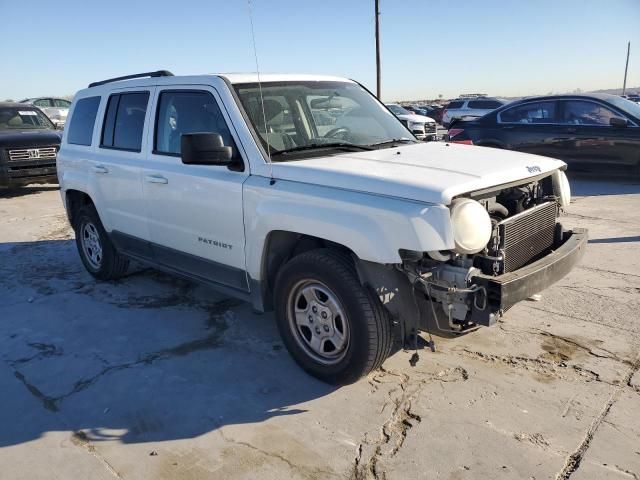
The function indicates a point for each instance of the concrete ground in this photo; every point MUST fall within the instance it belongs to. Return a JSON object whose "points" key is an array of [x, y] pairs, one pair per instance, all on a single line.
{"points": [[151, 377]]}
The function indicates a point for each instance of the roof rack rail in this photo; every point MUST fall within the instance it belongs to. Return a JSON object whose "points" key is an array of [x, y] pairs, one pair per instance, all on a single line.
{"points": [[158, 73]]}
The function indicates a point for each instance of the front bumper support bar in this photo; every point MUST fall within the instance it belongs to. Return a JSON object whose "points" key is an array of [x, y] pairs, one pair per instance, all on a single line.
{"points": [[504, 291]]}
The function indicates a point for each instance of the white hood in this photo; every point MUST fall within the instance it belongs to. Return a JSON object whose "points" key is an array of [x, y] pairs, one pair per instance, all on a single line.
{"points": [[416, 118], [432, 172]]}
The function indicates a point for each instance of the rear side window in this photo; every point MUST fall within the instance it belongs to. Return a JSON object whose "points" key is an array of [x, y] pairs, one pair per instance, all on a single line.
{"points": [[456, 104], [485, 104], [43, 102], [61, 103], [82, 122], [535, 112], [181, 112], [124, 121]]}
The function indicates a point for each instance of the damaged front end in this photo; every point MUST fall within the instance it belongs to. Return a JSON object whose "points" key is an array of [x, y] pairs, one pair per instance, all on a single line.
{"points": [[470, 286]]}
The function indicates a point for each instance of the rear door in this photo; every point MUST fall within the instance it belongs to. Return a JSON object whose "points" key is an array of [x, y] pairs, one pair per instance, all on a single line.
{"points": [[117, 166], [590, 138], [195, 211], [531, 128]]}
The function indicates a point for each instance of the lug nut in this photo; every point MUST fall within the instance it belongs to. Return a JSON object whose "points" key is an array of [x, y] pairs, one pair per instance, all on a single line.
{"points": [[314, 309], [310, 318], [324, 314], [318, 330], [326, 328]]}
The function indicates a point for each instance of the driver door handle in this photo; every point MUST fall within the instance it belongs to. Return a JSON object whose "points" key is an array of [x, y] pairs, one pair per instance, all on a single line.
{"points": [[100, 169], [156, 179]]}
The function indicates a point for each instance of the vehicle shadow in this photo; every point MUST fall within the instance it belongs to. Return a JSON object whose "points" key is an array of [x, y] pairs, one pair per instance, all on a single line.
{"points": [[615, 240], [13, 192], [146, 358]]}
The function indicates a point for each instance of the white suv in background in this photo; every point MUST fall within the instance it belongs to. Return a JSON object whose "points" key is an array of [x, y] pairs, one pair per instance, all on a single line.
{"points": [[469, 108], [424, 128], [356, 234]]}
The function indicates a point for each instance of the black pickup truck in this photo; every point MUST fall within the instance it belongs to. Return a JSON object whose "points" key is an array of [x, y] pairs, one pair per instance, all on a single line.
{"points": [[29, 145]]}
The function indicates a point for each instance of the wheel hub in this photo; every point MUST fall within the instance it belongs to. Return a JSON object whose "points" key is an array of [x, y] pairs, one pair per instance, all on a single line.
{"points": [[318, 321], [91, 244]]}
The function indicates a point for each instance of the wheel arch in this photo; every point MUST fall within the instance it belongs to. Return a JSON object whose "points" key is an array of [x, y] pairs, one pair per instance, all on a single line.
{"points": [[74, 200], [280, 246]]}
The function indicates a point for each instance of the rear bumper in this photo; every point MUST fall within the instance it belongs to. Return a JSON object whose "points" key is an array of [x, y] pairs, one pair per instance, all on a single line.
{"points": [[504, 291]]}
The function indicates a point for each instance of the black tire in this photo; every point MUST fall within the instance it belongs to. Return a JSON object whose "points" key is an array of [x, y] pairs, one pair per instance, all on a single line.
{"points": [[109, 265], [367, 322]]}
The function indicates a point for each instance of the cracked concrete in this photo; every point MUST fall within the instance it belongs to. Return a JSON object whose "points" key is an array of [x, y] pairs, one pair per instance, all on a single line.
{"points": [[152, 377]]}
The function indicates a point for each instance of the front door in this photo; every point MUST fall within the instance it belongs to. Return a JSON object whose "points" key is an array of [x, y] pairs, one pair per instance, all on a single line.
{"points": [[591, 139], [195, 211]]}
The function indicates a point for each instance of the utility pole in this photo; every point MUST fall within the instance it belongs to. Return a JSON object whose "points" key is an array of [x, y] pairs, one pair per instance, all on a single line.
{"points": [[378, 86], [626, 67]]}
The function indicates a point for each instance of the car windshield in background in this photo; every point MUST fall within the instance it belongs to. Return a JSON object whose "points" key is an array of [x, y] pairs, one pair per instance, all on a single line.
{"points": [[398, 110], [308, 116], [628, 106], [17, 118]]}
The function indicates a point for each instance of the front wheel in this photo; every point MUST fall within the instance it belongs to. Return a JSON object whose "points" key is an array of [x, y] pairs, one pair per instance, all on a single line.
{"points": [[333, 326]]}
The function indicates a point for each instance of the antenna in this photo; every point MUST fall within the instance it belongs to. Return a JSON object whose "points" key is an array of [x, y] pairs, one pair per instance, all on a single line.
{"points": [[264, 115]]}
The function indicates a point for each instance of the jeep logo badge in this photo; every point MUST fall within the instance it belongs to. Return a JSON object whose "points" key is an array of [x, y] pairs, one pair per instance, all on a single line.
{"points": [[33, 153], [534, 169]]}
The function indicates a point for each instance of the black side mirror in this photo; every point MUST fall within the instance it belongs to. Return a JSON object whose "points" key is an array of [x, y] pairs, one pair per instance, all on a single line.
{"points": [[618, 122], [205, 149]]}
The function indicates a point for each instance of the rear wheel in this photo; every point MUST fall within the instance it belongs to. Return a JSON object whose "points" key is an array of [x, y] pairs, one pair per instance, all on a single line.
{"points": [[97, 253], [333, 326]]}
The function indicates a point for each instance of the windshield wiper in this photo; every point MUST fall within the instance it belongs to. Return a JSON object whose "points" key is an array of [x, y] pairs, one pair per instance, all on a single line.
{"points": [[319, 146], [392, 141]]}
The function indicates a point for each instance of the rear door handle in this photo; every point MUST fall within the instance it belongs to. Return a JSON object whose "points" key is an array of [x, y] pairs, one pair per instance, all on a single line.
{"points": [[571, 130], [508, 127], [100, 169], [156, 179]]}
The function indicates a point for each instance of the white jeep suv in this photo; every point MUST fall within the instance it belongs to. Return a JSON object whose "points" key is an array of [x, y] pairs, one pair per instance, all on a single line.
{"points": [[357, 236]]}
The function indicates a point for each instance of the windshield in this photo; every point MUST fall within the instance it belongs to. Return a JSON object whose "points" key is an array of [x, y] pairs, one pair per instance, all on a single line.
{"points": [[398, 110], [303, 116], [628, 106], [20, 118]]}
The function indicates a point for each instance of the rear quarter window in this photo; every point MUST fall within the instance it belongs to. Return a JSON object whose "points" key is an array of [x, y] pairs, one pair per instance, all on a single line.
{"points": [[457, 104], [484, 104], [83, 121]]}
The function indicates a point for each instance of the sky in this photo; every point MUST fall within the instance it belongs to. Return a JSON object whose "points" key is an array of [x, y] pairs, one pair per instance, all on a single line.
{"points": [[428, 47]]}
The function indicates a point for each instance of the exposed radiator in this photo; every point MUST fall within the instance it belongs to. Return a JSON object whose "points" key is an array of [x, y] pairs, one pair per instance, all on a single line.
{"points": [[527, 235]]}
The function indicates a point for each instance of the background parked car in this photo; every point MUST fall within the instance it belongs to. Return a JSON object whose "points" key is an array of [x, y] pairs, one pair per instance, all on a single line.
{"points": [[435, 112], [29, 144], [634, 97], [418, 110], [56, 109], [469, 108], [583, 130], [424, 128]]}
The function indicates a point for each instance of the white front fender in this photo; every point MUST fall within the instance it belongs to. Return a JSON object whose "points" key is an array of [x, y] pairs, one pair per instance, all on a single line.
{"points": [[374, 227]]}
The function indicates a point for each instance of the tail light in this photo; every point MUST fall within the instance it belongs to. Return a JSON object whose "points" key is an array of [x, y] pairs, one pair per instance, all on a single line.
{"points": [[455, 132]]}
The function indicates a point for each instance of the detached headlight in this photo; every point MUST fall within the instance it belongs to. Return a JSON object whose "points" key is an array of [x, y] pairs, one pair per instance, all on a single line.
{"points": [[561, 188], [471, 225]]}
